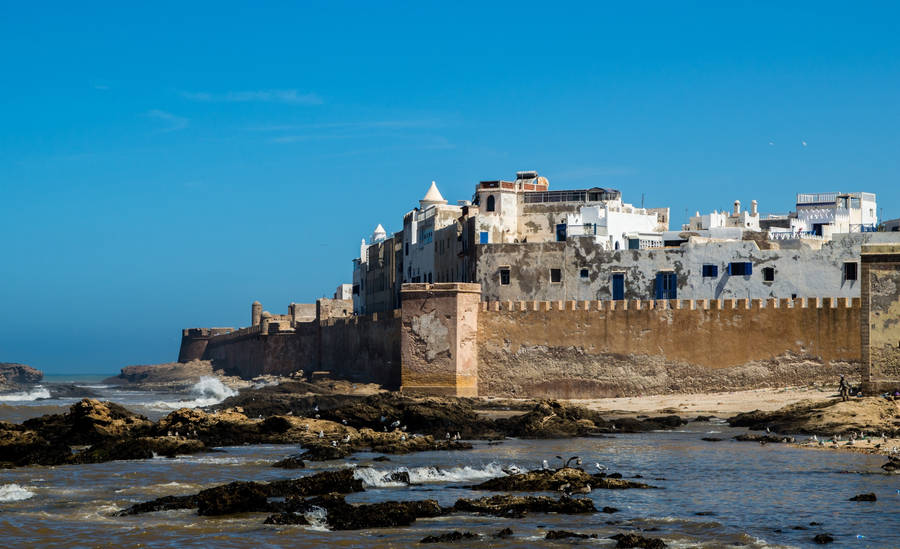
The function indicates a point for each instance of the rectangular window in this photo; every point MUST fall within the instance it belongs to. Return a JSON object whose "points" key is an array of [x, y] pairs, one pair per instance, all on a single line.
{"points": [[740, 268], [504, 276], [850, 270], [483, 237], [666, 285], [768, 274], [584, 273], [710, 271], [555, 275]]}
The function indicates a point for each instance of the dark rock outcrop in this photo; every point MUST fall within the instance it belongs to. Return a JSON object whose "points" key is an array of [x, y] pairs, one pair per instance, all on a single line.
{"points": [[238, 497], [549, 480], [518, 506], [823, 539], [893, 464], [625, 541], [864, 497], [564, 534], [449, 537], [763, 439], [290, 462]]}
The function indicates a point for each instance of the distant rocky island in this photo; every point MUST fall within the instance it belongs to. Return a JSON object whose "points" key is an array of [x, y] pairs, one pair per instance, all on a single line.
{"points": [[170, 376], [14, 376]]}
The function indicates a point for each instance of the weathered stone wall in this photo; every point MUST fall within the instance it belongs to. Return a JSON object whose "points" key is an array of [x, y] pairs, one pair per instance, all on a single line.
{"points": [[591, 349], [801, 269], [438, 338], [365, 349], [362, 348], [880, 329]]}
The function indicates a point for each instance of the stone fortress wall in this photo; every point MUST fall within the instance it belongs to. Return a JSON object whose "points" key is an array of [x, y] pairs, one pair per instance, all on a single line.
{"points": [[446, 340]]}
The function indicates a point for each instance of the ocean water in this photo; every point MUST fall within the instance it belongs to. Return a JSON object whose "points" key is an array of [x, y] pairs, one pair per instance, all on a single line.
{"points": [[713, 494]]}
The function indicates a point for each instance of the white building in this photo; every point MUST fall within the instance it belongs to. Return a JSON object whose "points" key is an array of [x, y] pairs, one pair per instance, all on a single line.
{"points": [[820, 215]]}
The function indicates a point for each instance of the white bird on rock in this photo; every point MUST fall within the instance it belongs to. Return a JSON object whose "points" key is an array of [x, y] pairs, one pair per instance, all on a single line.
{"points": [[334, 443], [395, 424], [599, 467], [545, 465], [321, 434], [346, 438]]}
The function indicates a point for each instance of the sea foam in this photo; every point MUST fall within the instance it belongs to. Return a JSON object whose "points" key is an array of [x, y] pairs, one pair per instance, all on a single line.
{"points": [[14, 492], [380, 478], [34, 394], [207, 391]]}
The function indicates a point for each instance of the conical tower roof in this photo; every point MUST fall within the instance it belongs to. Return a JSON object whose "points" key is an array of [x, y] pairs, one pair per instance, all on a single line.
{"points": [[433, 196], [379, 234]]}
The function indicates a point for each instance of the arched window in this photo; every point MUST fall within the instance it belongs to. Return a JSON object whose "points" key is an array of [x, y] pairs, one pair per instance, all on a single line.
{"points": [[490, 203]]}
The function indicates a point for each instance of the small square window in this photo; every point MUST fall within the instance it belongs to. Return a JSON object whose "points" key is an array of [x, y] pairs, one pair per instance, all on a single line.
{"points": [[710, 271], [584, 273], [555, 275], [504, 276], [768, 274], [850, 271]]}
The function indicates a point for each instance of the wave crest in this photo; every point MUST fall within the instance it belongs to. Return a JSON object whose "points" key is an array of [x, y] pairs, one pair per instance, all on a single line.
{"points": [[14, 492], [38, 392], [380, 478], [207, 391]]}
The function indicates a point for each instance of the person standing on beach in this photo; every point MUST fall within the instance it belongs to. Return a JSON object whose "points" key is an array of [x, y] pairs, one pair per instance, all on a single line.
{"points": [[844, 388]]}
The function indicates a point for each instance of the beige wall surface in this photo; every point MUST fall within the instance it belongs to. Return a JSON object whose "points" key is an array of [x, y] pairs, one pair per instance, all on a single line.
{"points": [[584, 349], [880, 331]]}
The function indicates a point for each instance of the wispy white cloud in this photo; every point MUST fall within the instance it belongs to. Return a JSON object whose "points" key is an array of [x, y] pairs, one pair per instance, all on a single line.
{"points": [[101, 87], [174, 122], [290, 97]]}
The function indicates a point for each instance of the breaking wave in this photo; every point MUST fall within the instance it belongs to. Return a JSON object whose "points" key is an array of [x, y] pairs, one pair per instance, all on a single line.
{"points": [[207, 391], [36, 393], [380, 478], [14, 492]]}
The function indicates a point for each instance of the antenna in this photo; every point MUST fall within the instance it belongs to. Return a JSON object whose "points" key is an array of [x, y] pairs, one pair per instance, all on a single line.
{"points": [[642, 201]]}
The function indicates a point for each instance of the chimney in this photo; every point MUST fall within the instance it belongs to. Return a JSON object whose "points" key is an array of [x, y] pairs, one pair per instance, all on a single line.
{"points": [[753, 208], [737, 207]]}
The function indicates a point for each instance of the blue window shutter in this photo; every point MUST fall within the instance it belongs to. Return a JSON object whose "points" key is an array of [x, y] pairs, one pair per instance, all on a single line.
{"points": [[659, 285], [484, 237], [749, 268], [729, 268]]}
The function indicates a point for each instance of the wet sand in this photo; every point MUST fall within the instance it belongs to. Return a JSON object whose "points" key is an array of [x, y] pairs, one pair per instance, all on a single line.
{"points": [[707, 404]]}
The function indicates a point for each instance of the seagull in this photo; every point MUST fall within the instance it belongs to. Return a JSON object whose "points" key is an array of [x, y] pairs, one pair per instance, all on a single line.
{"points": [[403, 428], [344, 421], [447, 436], [576, 459], [176, 433], [803, 143], [599, 467], [321, 434], [545, 465], [306, 427], [403, 437], [815, 438], [318, 416], [170, 433], [334, 443], [346, 438], [767, 429], [316, 409], [395, 424]]}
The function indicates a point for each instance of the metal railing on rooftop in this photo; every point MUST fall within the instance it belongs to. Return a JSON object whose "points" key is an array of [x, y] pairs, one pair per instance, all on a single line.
{"points": [[586, 195]]}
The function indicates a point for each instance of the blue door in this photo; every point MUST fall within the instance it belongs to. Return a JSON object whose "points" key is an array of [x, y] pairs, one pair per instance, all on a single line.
{"points": [[618, 286], [483, 237], [560, 232], [666, 283]]}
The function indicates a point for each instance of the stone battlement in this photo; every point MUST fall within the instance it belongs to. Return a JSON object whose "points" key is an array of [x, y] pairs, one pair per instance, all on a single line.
{"points": [[675, 304]]}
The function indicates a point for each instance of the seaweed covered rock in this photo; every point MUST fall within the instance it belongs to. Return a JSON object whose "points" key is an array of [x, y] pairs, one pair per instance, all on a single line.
{"points": [[238, 497], [565, 534], [341, 515], [626, 541], [456, 535], [829, 417], [139, 448], [518, 506], [546, 480]]}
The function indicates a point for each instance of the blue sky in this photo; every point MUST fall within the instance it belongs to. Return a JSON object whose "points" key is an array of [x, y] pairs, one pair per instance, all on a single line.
{"points": [[163, 165]]}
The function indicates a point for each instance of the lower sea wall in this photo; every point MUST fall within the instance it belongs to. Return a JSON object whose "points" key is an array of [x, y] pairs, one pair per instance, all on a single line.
{"points": [[364, 349], [594, 349]]}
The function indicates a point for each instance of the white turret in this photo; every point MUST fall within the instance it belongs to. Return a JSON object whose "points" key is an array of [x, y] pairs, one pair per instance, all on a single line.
{"points": [[432, 197], [379, 234]]}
